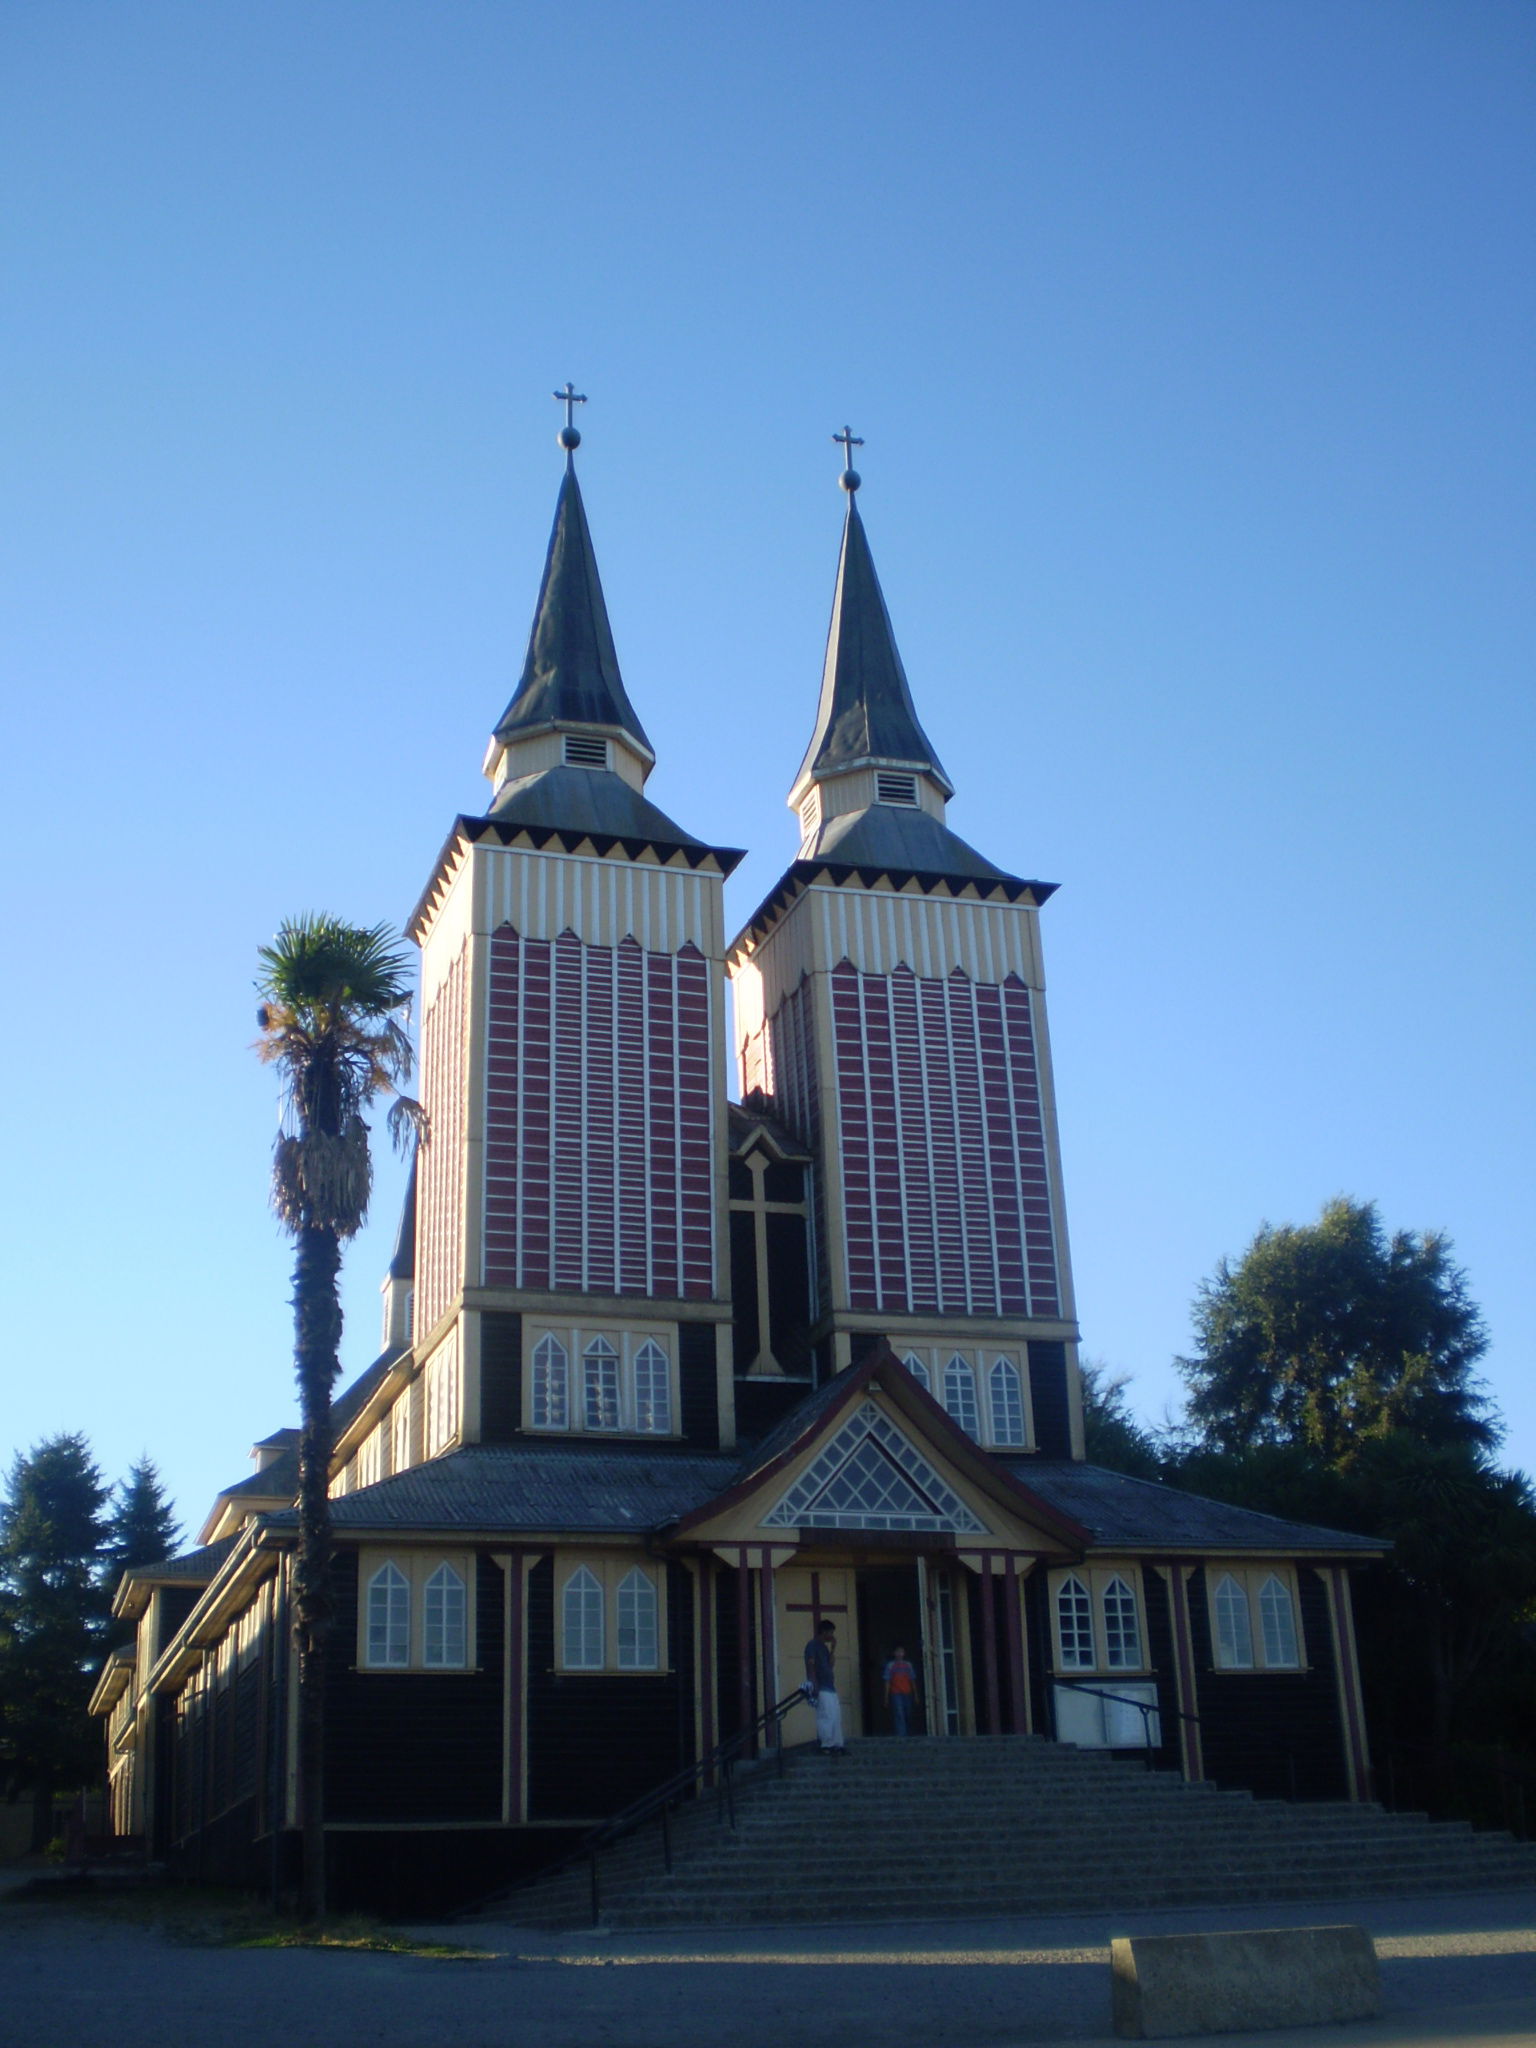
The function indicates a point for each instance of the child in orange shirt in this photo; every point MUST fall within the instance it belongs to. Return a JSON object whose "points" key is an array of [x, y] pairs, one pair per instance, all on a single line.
{"points": [[900, 1690]]}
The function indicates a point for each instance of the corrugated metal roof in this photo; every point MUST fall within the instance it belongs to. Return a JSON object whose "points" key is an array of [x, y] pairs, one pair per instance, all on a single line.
{"points": [[537, 1485], [1141, 1514], [194, 1566]]}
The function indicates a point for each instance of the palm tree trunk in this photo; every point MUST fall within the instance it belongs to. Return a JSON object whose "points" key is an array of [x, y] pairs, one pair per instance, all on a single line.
{"points": [[317, 1343]]}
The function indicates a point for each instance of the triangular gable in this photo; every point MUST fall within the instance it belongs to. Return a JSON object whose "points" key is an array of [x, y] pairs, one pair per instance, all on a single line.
{"points": [[999, 1505], [872, 1476]]}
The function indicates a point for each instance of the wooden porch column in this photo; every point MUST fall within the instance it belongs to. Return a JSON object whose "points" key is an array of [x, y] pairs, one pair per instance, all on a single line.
{"points": [[1357, 1761], [1185, 1684], [514, 1792], [744, 1637], [1018, 1704], [768, 1663], [989, 1646], [709, 1678]]}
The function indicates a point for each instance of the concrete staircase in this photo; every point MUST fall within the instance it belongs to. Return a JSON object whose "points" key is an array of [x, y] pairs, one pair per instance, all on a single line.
{"points": [[1012, 1824]]}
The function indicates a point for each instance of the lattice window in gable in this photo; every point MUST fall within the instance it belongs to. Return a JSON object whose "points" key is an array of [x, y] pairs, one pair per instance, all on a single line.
{"points": [[871, 1477]]}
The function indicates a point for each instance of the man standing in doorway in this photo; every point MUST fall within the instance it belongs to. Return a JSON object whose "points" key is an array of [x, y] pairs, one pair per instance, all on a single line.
{"points": [[821, 1684]]}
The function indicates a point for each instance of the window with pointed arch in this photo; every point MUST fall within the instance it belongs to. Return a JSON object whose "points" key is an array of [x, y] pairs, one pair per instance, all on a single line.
{"points": [[653, 1390], [583, 1635], [600, 1383], [985, 1393], [611, 1614], [1253, 1610], [1074, 1625], [960, 1395], [389, 1618], [637, 1616], [416, 1611], [444, 1622], [551, 1384], [1005, 1397], [625, 1381], [1096, 1612]]}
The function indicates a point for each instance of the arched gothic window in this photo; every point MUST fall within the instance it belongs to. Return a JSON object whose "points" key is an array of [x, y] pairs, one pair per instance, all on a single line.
{"points": [[1074, 1625], [551, 1385], [1234, 1631], [583, 1621], [444, 1621], [600, 1367], [389, 1617], [638, 1647], [1005, 1392], [1277, 1623], [960, 1395], [1122, 1630], [653, 1390]]}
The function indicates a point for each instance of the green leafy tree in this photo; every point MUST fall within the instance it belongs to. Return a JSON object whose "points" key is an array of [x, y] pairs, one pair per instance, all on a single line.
{"points": [[1327, 1334], [334, 999], [1112, 1435], [53, 1612], [143, 1527]]}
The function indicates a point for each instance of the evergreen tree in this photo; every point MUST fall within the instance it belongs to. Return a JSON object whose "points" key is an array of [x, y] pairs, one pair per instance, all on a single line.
{"points": [[143, 1528], [1326, 1334], [53, 1612]]}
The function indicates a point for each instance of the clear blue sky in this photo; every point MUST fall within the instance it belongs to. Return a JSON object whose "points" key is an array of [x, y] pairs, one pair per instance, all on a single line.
{"points": [[1192, 348]]}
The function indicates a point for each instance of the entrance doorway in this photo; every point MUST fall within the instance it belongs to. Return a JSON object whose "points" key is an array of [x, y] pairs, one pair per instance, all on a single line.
{"points": [[890, 1613]]}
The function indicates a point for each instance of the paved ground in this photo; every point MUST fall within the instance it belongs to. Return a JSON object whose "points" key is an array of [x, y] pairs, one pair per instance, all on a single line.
{"points": [[1455, 1970]]}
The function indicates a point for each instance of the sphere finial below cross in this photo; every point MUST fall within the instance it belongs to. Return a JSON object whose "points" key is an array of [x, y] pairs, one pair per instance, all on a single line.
{"points": [[848, 440], [569, 435]]}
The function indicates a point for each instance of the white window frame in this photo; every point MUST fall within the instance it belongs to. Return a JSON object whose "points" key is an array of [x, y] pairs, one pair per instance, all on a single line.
{"points": [[417, 1569], [1099, 1582], [549, 1369], [1250, 1583], [930, 1361], [614, 1580], [636, 1417]]}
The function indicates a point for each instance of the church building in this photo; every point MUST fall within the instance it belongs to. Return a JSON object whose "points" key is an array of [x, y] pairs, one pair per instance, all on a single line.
{"points": [[669, 1379]]}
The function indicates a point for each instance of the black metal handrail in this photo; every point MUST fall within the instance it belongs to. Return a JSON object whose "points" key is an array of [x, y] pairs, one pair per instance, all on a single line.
{"points": [[659, 1802]]}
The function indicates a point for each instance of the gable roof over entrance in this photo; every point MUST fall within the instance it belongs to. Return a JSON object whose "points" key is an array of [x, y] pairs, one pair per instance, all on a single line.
{"points": [[872, 1450]]}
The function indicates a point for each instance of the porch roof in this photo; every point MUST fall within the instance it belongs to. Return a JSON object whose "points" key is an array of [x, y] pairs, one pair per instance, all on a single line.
{"points": [[1140, 1514]]}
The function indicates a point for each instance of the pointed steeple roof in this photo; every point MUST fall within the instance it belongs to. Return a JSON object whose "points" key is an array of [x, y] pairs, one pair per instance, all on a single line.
{"points": [[571, 674], [866, 716]]}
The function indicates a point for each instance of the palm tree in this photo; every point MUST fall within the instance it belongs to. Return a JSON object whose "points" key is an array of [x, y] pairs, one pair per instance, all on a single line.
{"points": [[332, 1020]]}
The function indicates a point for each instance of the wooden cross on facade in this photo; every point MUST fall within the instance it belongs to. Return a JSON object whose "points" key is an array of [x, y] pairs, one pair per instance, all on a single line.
{"points": [[818, 1609]]}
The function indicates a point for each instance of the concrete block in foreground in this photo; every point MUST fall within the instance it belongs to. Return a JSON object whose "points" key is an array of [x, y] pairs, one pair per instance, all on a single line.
{"points": [[1167, 1984]]}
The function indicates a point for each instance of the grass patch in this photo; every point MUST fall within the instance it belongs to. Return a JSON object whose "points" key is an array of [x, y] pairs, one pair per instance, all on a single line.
{"points": [[202, 1917]]}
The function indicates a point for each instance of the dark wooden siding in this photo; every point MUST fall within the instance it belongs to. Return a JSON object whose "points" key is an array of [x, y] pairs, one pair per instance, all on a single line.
{"points": [[727, 1650], [743, 1288], [501, 1376], [698, 1386], [176, 1603], [1160, 1655], [415, 1745], [1037, 1644], [1048, 1396], [760, 1404], [789, 1291], [1274, 1732], [597, 1742]]}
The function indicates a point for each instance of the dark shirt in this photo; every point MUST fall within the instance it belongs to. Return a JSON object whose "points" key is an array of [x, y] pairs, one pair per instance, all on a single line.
{"points": [[818, 1665]]}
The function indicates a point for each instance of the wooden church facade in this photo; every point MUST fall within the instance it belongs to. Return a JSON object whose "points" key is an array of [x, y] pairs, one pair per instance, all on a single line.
{"points": [[668, 1380]]}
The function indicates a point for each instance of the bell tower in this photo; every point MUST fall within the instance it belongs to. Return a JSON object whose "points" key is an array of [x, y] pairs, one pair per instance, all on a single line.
{"points": [[890, 1010], [571, 1264]]}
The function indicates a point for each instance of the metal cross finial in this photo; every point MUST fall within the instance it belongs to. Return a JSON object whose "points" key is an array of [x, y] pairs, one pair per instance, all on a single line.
{"points": [[848, 440], [569, 436]]}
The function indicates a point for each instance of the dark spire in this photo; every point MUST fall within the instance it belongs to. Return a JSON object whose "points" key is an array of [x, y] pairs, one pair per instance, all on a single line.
{"points": [[571, 675], [866, 713]]}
